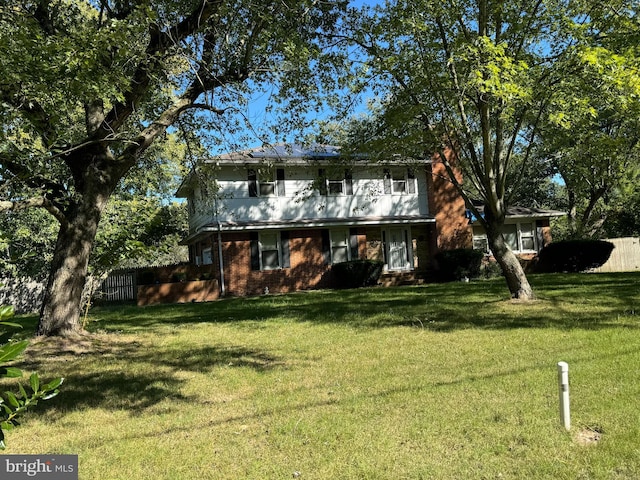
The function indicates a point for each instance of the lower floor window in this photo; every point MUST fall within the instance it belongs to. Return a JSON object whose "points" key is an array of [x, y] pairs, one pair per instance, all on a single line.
{"points": [[270, 250], [520, 237], [340, 246]]}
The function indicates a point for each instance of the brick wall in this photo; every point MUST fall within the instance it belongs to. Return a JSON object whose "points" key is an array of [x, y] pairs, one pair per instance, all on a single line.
{"points": [[448, 207], [307, 269]]}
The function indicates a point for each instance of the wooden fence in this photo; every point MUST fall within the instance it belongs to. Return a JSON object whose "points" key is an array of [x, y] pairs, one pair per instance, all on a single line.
{"points": [[119, 287], [625, 257]]}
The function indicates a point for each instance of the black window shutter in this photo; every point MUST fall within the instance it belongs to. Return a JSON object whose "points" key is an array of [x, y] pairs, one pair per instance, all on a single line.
{"points": [[387, 181], [255, 251], [353, 243], [284, 246], [406, 242], [253, 183], [348, 182], [323, 181], [411, 180], [280, 181], [326, 247], [384, 247]]}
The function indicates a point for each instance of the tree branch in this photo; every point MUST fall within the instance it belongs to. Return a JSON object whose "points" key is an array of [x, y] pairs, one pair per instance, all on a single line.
{"points": [[36, 202]]}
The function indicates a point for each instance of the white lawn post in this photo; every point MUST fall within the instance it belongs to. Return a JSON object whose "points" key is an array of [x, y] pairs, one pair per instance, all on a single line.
{"points": [[563, 389]]}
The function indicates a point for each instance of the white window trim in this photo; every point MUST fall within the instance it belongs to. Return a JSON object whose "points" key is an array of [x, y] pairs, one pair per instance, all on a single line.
{"points": [[401, 174], [262, 180], [330, 182]]}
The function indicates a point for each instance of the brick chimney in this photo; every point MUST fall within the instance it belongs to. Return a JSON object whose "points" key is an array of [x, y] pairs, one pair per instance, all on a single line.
{"points": [[447, 206]]}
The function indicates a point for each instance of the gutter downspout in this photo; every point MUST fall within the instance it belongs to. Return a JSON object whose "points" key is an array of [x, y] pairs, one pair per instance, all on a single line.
{"points": [[220, 259]]}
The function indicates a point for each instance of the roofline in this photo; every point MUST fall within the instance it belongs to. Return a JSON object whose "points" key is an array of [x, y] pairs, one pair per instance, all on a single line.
{"points": [[306, 223]]}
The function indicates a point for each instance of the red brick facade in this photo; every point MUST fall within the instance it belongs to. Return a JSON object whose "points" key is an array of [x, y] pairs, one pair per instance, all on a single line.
{"points": [[448, 207]]}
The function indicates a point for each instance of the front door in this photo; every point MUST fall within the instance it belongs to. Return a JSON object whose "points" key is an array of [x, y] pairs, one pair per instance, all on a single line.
{"points": [[398, 249]]}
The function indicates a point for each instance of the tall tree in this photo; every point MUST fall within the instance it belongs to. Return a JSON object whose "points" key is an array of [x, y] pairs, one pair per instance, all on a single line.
{"points": [[592, 135], [472, 77], [88, 87]]}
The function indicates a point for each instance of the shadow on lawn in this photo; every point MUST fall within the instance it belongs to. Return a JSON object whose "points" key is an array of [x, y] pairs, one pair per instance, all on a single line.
{"points": [[125, 374], [565, 301]]}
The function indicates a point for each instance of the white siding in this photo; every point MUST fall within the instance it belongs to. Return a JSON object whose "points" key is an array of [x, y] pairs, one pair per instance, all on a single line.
{"points": [[299, 202]]}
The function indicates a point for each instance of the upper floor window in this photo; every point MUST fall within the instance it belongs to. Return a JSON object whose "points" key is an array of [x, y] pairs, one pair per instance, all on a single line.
{"points": [[399, 181], [266, 184], [335, 182]]}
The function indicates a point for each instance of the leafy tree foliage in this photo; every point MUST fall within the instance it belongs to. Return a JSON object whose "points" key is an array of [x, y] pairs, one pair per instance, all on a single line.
{"points": [[591, 136], [90, 89], [478, 82], [14, 405]]}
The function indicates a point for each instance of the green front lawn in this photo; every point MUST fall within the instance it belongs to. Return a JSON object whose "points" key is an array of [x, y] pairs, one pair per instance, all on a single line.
{"points": [[440, 381]]}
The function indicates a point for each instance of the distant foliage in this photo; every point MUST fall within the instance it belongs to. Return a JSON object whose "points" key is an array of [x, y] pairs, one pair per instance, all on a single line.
{"points": [[573, 256], [459, 263], [357, 273]]}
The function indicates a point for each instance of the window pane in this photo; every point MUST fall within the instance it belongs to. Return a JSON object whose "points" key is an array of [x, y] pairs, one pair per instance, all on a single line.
{"points": [[339, 254], [335, 188], [399, 186], [481, 244], [339, 238], [270, 259], [511, 236], [267, 189], [269, 241], [527, 243], [526, 229]]}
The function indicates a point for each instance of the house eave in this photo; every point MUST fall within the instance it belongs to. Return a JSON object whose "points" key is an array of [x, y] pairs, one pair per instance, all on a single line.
{"points": [[306, 223]]}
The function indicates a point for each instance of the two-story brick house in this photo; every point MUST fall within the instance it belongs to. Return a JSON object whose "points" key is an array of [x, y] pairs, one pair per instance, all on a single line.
{"points": [[276, 218]]}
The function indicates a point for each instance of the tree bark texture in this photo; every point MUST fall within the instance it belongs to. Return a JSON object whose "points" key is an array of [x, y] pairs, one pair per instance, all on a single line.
{"points": [[512, 270], [62, 303]]}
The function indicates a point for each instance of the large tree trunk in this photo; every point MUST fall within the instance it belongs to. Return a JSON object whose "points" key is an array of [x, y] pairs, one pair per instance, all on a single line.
{"points": [[512, 270], [95, 181], [60, 313]]}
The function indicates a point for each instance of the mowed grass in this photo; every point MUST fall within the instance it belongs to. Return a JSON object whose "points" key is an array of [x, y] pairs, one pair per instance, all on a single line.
{"points": [[439, 381]]}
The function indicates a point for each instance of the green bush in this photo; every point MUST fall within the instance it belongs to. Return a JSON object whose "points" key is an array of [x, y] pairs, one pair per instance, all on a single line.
{"points": [[573, 256], [14, 405], [459, 263], [357, 273]]}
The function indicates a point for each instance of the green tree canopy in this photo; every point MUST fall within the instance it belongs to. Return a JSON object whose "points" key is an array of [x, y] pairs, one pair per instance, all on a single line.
{"points": [[90, 89], [476, 81]]}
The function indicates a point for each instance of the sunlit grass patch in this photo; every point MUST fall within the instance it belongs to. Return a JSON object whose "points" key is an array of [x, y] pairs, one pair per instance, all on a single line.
{"points": [[436, 381]]}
